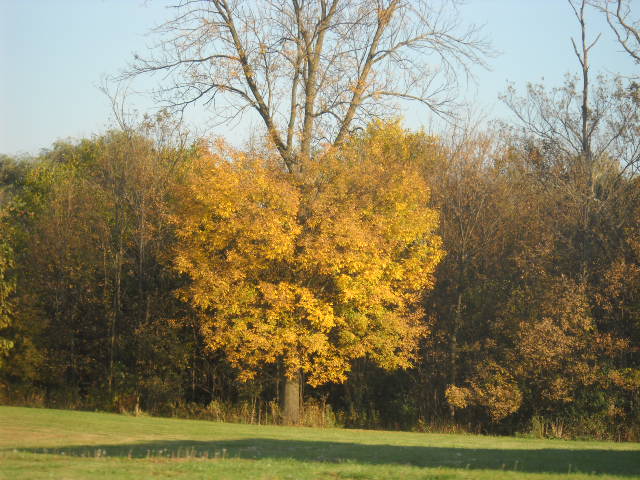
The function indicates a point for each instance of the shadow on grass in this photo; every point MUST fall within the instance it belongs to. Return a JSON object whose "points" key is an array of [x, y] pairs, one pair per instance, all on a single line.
{"points": [[625, 463]]}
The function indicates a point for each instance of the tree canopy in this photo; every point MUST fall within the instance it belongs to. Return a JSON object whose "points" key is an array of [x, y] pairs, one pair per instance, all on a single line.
{"points": [[314, 270]]}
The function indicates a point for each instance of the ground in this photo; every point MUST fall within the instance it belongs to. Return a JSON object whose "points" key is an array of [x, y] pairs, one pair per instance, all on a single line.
{"points": [[40, 443]]}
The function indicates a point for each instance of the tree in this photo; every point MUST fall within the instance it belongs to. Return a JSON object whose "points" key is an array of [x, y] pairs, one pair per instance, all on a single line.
{"points": [[7, 287], [313, 70], [310, 272], [567, 120], [586, 134], [471, 193], [92, 304], [626, 30], [12, 173]]}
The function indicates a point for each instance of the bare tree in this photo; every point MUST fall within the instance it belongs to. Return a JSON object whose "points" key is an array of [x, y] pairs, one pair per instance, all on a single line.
{"points": [[587, 132], [565, 119], [583, 57], [583, 122], [626, 29], [313, 70]]}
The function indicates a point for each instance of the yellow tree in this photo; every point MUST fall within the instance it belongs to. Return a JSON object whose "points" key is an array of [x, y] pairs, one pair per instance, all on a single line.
{"points": [[311, 270]]}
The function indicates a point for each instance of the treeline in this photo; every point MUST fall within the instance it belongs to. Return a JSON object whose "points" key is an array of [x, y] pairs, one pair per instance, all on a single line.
{"points": [[487, 283]]}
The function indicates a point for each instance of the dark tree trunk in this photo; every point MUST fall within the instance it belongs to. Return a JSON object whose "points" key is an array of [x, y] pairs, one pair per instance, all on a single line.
{"points": [[291, 400], [453, 348]]}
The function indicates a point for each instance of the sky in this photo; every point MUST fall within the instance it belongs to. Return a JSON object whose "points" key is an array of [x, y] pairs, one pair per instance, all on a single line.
{"points": [[55, 54]]}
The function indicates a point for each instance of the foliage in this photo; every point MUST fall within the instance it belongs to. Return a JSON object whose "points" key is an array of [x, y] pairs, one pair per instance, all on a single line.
{"points": [[87, 223], [7, 287], [315, 270], [529, 323]]}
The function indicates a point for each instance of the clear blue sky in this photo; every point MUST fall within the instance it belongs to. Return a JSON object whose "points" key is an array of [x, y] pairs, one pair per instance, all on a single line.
{"points": [[54, 53]]}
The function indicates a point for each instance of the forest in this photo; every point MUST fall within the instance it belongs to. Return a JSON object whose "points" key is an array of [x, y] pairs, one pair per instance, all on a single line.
{"points": [[340, 269]]}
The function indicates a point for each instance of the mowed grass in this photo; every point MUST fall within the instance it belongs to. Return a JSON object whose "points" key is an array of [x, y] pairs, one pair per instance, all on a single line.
{"points": [[39, 443]]}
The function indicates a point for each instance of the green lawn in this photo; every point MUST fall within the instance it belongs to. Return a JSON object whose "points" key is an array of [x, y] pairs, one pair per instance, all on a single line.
{"points": [[38, 443]]}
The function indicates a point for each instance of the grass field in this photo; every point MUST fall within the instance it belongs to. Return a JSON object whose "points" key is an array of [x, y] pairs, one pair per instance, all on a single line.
{"points": [[38, 443]]}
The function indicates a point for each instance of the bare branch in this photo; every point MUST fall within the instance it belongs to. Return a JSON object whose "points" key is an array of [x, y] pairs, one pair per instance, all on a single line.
{"points": [[311, 68], [626, 30]]}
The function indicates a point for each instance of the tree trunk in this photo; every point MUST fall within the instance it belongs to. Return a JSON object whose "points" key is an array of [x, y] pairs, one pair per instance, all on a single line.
{"points": [[291, 400], [453, 348]]}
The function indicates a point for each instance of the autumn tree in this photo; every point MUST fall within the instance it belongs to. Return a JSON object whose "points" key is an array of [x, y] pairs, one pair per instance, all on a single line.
{"points": [[12, 173], [7, 287], [54, 275], [471, 192], [92, 302], [312, 70], [551, 350], [310, 271], [585, 133]]}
